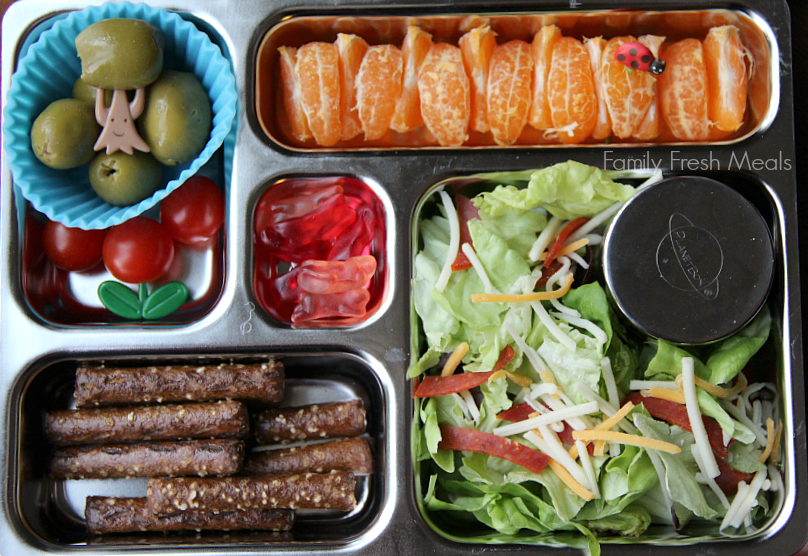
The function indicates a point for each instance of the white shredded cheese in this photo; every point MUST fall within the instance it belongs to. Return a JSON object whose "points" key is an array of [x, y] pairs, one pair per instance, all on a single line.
{"points": [[748, 501], [776, 479], [471, 405], [585, 423], [579, 260], [461, 403], [740, 415], [603, 216], [589, 469], [546, 419], [751, 389], [542, 410], [521, 395], [737, 502], [478, 267], [757, 413], [531, 354], [560, 273], [587, 325], [694, 416], [708, 480], [605, 407], [558, 453], [552, 327], [725, 438], [648, 384], [594, 239], [544, 239], [556, 404], [541, 389], [608, 379], [454, 241]]}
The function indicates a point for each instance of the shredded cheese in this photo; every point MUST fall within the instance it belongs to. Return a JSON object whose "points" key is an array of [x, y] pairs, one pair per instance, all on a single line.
{"points": [[606, 425], [775, 457], [525, 297], [552, 327], [532, 354], [718, 391], [694, 416], [559, 469], [546, 419], [665, 394], [648, 384], [630, 439], [520, 380], [454, 360], [600, 448], [471, 405], [740, 415], [558, 453], [589, 468], [604, 406], [587, 325], [454, 241], [608, 379], [478, 267], [544, 239], [547, 387], [710, 482], [748, 501], [769, 441], [579, 260], [567, 248]]}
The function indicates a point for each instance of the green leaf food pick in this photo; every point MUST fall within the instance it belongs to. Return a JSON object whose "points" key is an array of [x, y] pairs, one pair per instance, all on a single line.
{"points": [[125, 303]]}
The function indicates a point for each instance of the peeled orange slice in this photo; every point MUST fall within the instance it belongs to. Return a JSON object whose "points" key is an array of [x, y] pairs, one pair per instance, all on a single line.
{"points": [[571, 92], [595, 47], [351, 51], [317, 71], [509, 83], [542, 49], [445, 94], [649, 126], [477, 47], [683, 91], [378, 87], [291, 94], [628, 93], [407, 115], [726, 77]]}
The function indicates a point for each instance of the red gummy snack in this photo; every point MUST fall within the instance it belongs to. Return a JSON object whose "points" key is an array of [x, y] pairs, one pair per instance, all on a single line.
{"points": [[319, 246]]}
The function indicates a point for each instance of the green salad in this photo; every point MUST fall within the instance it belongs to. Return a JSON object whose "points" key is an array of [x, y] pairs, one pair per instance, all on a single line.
{"points": [[539, 418]]}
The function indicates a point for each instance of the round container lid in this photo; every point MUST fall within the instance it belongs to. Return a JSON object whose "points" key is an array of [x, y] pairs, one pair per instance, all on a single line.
{"points": [[688, 260]]}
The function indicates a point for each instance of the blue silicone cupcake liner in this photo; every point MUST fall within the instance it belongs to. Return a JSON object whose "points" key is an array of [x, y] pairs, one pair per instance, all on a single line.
{"points": [[46, 73]]}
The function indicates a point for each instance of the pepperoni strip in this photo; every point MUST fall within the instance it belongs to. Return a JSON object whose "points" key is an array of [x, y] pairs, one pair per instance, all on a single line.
{"points": [[730, 477], [505, 357], [432, 386], [523, 411], [470, 440], [562, 237], [676, 414], [465, 212]]}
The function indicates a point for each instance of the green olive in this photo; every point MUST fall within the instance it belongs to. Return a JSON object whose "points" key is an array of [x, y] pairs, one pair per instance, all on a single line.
{"points": [[86, 93], [120, 53], [176, 122], [125, 179], [64, 133]]}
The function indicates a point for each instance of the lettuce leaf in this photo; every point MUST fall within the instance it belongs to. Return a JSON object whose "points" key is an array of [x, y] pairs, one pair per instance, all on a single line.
{"points": [[732, 354]]}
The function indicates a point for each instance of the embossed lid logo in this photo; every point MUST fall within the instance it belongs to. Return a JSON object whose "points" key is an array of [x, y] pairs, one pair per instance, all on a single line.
{"points": [[689, 258]]}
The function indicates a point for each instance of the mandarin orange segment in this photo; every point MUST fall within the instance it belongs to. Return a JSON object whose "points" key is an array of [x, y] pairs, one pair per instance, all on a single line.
{"points": [[726, 77], [542, 50], [509, 84], [649, 126], [683, 91], [595, 47], [407, 115], [628, 93], [477, 47], [291, 94], [317, 71], [571, 92], [378, 87], [351, 51], [445, 94]]}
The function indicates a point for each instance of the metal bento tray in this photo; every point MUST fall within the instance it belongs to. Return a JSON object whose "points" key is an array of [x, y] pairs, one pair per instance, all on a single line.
{"points": [[39, 352]]}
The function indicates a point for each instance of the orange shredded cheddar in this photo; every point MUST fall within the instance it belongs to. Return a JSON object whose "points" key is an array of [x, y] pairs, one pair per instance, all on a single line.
{"points": [[454, 360], [574, 485], [521, 380], [773, 457], [525, 297], [631, 439], [769, 441], [718, 391], [676, 396], [569, 248], [604, 426]]}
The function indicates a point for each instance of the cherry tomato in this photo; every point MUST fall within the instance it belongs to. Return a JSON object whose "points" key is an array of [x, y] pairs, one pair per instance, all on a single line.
{"points": [[32, 241], [139, 250], [72, 249], [194, 212]]}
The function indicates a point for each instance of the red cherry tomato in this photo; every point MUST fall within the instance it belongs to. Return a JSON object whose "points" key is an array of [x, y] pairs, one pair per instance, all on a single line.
{"points": [[32, 241], [138, 251], [72, 249], [194, 212]]}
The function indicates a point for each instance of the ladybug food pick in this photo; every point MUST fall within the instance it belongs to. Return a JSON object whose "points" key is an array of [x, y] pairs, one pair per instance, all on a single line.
{"points": [[639, 57]]}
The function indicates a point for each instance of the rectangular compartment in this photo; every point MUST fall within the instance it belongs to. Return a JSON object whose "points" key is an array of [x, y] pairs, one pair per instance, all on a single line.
{"points": [[52, 512], [66, 298], [296, 30], [772, 364]]}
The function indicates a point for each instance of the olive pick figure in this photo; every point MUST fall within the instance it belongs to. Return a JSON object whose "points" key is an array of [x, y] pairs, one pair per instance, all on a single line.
{"points": [[118, 121]]}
